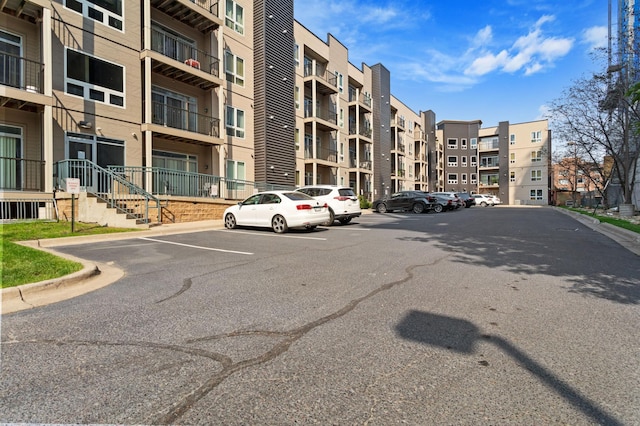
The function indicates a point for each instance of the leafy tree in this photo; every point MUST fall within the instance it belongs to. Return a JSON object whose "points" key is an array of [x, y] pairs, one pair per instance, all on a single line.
{"points": [[598, 116]]}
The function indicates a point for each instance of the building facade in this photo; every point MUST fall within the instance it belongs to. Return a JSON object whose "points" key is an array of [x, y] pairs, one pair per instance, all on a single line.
{"points": [[190, 98]]}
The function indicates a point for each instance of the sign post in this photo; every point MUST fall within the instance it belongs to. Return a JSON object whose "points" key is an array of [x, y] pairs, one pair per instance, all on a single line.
{"points": [[73, 187]]}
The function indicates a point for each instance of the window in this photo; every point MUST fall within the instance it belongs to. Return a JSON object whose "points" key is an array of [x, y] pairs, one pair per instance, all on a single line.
{"points": [[512, 139], [341, 118], [235, 171], [512, 176], [234, 68], [512, 158], [463, 160], [174, 109], [296, 55], [296, 96], [474, 161], [536, 136], [463, 143], [536, 175], [10, 154], [234, 16], [464, 178], [235, 122], [107, 12], [296, 139], [94, 79], [474, 178], [452, 161], [10, 69], [340, 81], [536, 194], [536, 156], [452, 143], [452, 178], [474, 143]]}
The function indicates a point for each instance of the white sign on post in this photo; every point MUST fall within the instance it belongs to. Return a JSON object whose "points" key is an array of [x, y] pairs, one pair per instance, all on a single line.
{"points": [[73, 185]]}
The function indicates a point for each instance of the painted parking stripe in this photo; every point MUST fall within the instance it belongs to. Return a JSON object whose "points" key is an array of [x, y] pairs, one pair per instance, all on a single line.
{"points": [[262, 234], [196, 247]]}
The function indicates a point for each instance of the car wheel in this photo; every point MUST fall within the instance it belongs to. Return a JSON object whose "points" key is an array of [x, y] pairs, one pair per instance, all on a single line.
{"points": [[230, 221], [279, 224], [345, 220], [483, 204], [332, 217], [438, 208], [418, 208], [382, 208]]}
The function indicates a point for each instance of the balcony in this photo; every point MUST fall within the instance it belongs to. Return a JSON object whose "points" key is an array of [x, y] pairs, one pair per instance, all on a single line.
{"points": [[167, 116], [324, 154], [363, 99], [203, 15], [399, 124], [23, 80], [177, 60], [364, 130], [328, 116], [19, 174], [328, 81]]}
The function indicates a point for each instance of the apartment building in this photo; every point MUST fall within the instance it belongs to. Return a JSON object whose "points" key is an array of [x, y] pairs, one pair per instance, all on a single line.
{"points": [[201, 98], [514, 162], [456, 156]]}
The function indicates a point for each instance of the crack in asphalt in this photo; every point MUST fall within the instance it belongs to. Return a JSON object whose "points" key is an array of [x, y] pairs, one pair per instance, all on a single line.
{"points": [[187, 401]]}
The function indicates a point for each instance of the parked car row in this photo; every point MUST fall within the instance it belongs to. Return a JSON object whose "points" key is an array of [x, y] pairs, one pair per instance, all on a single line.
{"points": [[310, 206], [419, 201], [305, 207]]}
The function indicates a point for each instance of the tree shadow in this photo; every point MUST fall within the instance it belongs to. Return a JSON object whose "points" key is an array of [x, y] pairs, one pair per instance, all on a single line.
{"points": [[548, 243]]}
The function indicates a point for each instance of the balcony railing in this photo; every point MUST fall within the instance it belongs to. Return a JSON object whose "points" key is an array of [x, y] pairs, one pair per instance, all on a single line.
{"points": [[191, 184], [210, 5], [179, 50], [178, 118], [325, 154], [19, 174], [22, 73], [326, 114], [321, 73]]}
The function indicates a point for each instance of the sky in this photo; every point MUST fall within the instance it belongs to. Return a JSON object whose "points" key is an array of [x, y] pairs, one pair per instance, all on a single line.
{"points": [[468, 60]]}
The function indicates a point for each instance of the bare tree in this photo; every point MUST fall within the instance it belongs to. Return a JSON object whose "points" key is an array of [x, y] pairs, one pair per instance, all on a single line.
{"points": [[598, 114]]}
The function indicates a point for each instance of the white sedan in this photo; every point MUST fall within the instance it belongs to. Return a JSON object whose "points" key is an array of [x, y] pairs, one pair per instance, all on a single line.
{"points": [[279, 210]]}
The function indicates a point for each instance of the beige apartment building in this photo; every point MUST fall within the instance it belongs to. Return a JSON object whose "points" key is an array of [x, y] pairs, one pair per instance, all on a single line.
{"points": [[200, 100]]}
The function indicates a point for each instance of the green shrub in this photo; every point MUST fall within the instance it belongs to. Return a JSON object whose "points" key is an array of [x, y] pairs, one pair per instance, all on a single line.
{"points": [[364, 203]]}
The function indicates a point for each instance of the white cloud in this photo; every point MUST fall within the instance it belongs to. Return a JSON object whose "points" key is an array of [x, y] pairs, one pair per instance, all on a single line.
{"points": [[596, 37], [532, 53]]}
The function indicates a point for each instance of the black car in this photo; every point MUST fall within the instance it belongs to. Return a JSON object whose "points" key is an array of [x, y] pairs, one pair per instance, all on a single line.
{"points": [[444, 203], [416, 201], [467, 198]]}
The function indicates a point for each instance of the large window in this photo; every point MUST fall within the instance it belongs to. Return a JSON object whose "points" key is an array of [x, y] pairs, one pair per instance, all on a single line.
{"points": [[107, 12], [235, 122], [452, 178], [174, 109], [234, 16], [10, 154], [234, 68], [11, 65], [536, 136], [536, 156], [452, 143], [94, 79], [535, 194], [452, 161]]}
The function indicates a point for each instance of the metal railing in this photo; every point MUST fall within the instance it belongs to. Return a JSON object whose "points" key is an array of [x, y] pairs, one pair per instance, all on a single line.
{"points": [[178, 183], [109, 186], [179, 118], [28, 209], [21, 73], [325, 154], [327, 114], [321, 73], [210, 5], [181, 51], [19, 174]]}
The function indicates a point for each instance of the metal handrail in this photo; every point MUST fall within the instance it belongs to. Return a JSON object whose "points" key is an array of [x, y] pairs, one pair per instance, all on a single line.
{"points": [[170, 182], [181, 51], [20, 174], [183, 119], [107, 185]]}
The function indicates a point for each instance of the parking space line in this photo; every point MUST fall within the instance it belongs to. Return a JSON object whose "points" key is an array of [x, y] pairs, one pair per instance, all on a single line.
{"points": [[196, 247], [272, 235]]}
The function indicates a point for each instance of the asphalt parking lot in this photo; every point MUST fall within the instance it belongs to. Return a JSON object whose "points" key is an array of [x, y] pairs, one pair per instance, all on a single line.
{"points": [[479, 316]]}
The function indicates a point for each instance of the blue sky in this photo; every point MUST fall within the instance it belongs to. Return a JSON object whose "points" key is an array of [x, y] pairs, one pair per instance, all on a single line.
{"points": [[466, 60]]}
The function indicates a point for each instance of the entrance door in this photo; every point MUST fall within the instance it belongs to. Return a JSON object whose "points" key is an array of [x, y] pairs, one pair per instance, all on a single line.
{"points": [[101, 151]]}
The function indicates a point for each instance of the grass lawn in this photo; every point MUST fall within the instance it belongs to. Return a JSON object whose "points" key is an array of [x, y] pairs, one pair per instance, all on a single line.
{"points": [[629, 224], [23, 265]]}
